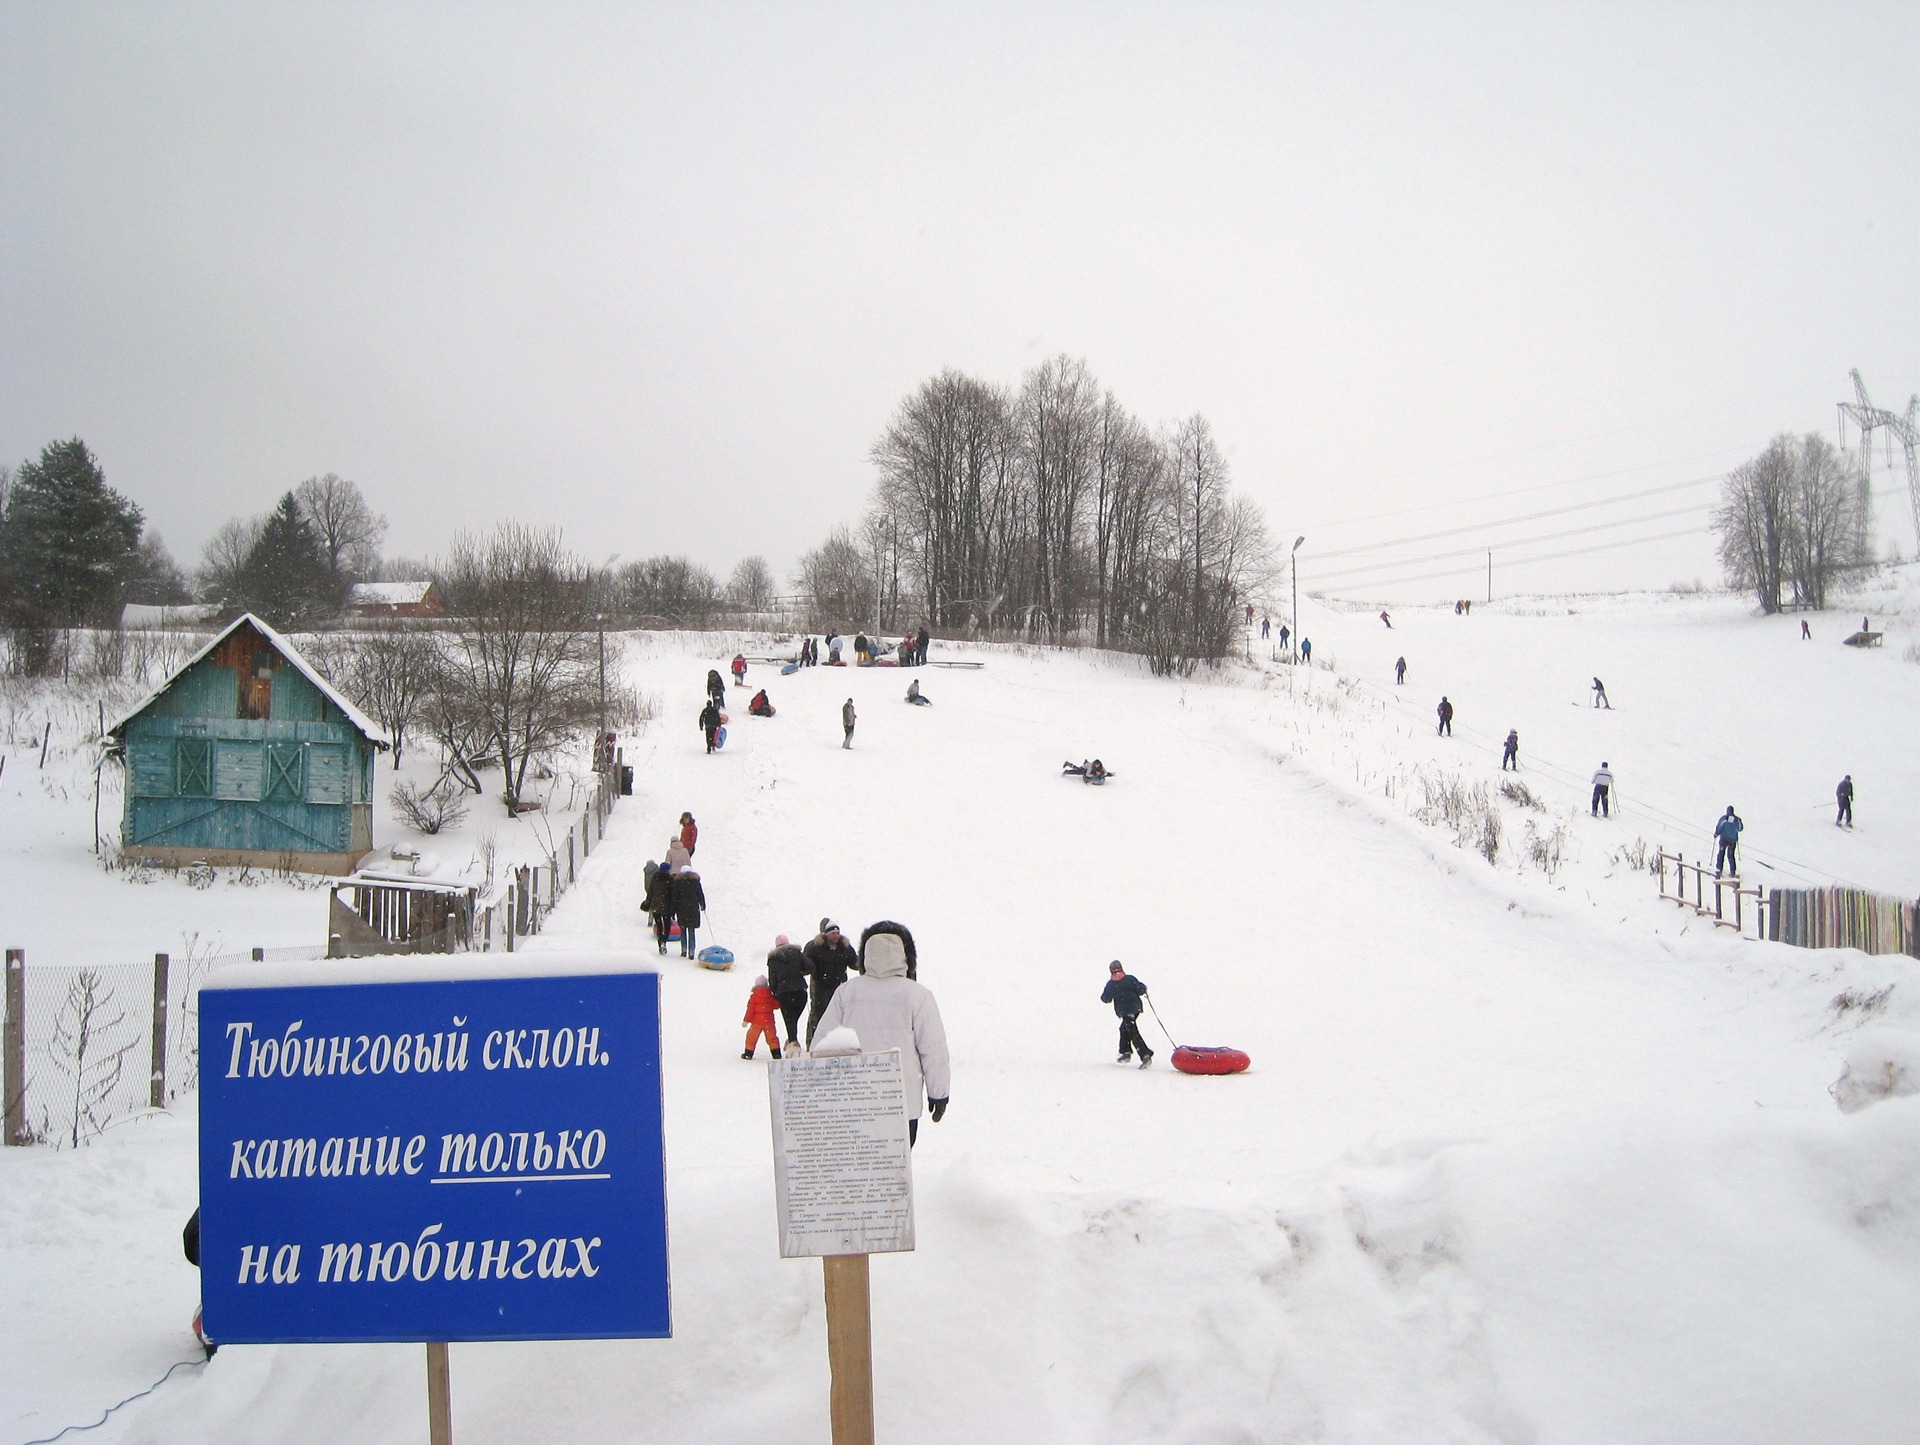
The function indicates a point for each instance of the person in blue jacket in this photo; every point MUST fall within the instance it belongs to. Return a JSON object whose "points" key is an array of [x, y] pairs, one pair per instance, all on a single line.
{"points": [[1726, 834], [1128, 996]]}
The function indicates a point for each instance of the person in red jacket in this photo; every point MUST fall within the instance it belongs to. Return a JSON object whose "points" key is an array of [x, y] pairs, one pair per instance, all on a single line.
{"points": [[689, 833], [739, 668], [759, 1019]]}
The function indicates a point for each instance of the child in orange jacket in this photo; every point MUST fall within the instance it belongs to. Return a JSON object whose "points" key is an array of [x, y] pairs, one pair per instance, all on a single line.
{"points": [[761, 1007]]}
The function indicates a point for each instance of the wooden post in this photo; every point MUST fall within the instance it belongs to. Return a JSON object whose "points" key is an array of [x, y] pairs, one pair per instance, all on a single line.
{"points": [[15, 1047], [439, 1398], [850, 1347], [507, 920], [157, 1077], [259, 954]]}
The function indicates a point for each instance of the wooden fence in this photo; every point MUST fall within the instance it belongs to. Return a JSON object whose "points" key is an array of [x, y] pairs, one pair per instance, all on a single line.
{"points": [[1803, 917]]}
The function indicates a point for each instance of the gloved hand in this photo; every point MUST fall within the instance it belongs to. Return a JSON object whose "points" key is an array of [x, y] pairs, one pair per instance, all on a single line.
{"points": [[936, 1107]]}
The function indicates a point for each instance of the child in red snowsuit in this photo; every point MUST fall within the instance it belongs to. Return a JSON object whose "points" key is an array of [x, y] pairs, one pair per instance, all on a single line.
{"points": [[761, 1007]]}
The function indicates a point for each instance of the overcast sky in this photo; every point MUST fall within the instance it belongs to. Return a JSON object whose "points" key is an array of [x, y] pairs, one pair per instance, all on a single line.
{"points": [[659, 275]]}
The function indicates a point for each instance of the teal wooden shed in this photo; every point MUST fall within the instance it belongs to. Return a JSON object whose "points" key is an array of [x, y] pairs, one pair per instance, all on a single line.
{"points": [[248, 755]]}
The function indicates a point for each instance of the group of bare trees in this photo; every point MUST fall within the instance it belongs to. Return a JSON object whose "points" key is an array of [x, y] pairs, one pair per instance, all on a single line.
{"points": [[1792, 520], [1050, 510]]}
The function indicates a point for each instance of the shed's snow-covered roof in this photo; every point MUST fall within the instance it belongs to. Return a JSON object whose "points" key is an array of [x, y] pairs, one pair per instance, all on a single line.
{"points": [[387, 594], [281, 644]]}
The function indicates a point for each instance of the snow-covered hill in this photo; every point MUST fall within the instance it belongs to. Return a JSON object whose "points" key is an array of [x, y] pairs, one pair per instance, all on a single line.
{"points": [[1521, 1158]]}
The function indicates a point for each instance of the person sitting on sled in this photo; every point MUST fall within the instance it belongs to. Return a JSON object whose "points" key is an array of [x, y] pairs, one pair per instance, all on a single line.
{"points": [[1128, 996], [913, 695], [1096, 772], [760, 707]]}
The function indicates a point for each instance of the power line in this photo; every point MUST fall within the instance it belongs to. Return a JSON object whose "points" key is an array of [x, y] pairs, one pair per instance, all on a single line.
{"points": [[1509, 562], [1527, 517], [1371, 569]]}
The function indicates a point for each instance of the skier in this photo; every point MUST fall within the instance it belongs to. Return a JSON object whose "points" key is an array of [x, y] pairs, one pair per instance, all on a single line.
{"points": [[1843, 795], [716, 689], [1602, 792], [1306, 650], [659, 901], [847, 719], [828, 958], [689, 834], [1726, 834], [1386, 619], [760, 707], [1263, 629], [710, 720], [1284, 634], [889, 1009], [1600, 695], [688, 899], [1249, 614], [1128, 996], [739, 669], [1445, 710], [1511, 757], [1399, 671], [787, 977], [913, 695]]}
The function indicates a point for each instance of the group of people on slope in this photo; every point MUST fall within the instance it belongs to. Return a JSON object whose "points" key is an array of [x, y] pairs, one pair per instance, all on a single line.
{"points": [[873, 990], [674, 894], [912, 651]]}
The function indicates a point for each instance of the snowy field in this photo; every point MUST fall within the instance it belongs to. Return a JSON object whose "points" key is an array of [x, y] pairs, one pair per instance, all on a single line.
{"points": [[1521, 1158]]}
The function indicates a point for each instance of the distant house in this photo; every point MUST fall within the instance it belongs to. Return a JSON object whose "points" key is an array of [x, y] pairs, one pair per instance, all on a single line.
{"points": [[143, 617], [394, 599], [247, 755]]}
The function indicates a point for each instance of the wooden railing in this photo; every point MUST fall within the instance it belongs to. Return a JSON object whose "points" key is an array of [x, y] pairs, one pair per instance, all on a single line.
{"points": [[1727, 901]]}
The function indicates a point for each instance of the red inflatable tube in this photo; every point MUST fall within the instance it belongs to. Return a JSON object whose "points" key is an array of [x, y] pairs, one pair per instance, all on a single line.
{"points": [[1199, 1059]]}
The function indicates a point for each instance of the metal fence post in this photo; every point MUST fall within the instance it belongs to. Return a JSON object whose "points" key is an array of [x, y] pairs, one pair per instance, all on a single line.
{"points": [[157, 1077], [15, 1048]]}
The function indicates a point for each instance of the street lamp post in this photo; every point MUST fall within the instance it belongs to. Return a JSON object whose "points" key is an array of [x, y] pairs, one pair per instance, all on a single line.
{"points": [[1294, 558]]}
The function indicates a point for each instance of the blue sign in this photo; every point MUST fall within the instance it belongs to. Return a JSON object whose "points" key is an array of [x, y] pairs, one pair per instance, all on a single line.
{"points": [[470, 1159]]}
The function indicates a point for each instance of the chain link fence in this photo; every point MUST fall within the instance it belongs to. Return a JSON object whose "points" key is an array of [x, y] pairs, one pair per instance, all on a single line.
{"points": [[87, 1046]]}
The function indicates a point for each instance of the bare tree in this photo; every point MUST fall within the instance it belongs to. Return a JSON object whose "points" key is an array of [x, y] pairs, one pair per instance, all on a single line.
{"points": [[350, 531], [92, 1038], [1058, 427], [671, 590], [751, 586], [390, 670], [223, 563], [1794, 516], [835, 581], [522, 664]]}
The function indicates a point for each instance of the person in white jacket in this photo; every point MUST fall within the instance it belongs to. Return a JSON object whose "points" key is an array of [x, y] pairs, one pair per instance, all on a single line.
{"points": [[890, 1009]]}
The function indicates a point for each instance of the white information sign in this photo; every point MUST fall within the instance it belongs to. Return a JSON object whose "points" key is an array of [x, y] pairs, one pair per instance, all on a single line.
{"points": [[843, 1180]]}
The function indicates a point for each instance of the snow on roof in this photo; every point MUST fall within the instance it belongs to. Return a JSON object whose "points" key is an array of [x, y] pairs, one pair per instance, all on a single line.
{"points": [[387, 594], [375, 733]]}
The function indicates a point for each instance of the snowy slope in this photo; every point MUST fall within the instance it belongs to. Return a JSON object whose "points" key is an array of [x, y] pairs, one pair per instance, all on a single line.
{"points": [[1518, 1159]]}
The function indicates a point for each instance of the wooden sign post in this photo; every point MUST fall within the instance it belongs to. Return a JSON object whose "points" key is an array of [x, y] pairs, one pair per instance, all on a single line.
{"points": [[843, 1184], [439, 1395]]}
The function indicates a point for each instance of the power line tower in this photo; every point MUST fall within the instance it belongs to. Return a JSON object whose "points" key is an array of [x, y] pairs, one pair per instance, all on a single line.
{"points": [[1867, 416]]}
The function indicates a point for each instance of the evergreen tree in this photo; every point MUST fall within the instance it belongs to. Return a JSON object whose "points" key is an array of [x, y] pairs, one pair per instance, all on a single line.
{"points": [[70, 541], [285, 579]]}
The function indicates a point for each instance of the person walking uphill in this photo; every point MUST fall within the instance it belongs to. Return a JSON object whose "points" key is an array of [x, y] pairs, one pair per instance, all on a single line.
{"points": [[787, 977], [659, 902], [689, 833], [828, 959], [1510, 758], [710, 723], [759, 1019], [847, 719], [1445, 710], [1726, 834], [1128, 996], [889, 1009], [688, 899], [1600, 695], [1602, 792], [1399, 671], [1843, 795]]}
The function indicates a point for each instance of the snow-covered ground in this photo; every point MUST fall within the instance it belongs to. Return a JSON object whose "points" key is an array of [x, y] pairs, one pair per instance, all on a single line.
{"points": [[1521, 1158]]}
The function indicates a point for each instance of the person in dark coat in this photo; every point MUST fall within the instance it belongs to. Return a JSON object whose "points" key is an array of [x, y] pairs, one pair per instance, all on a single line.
{"points": [[1726, 834], [716, 689], [1510, 757], [1600, 695], [1128, 996], [1843, 795], [688, 899], [920, 642], [828, 957], [1399, 671], [787, 977], [710, 723], [1306, 650], [1445, 710], [659, 901]]}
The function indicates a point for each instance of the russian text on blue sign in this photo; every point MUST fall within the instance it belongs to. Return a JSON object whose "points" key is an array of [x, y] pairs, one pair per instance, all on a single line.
{"points": [[474, 1159]]}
